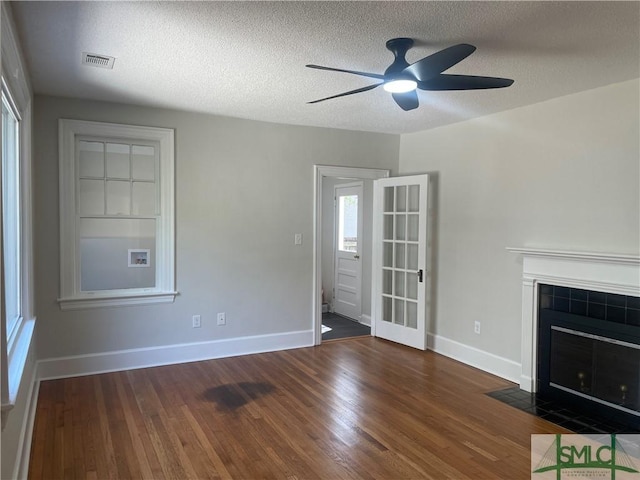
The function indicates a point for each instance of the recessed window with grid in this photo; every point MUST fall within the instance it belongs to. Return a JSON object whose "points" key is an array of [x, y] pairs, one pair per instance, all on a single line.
{"points": [[117, 212]]}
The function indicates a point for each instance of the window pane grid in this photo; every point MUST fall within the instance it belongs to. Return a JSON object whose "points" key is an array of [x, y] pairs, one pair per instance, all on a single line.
{"points": [[400, 251], [348, 223], [141, 165]]}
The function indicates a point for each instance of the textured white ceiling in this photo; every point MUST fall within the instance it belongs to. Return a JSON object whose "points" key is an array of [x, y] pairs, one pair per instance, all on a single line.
{"points": [[247, 59]]}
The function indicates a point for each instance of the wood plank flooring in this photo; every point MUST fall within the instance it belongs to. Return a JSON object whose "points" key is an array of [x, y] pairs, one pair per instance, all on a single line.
{"points": [[356, 409]]}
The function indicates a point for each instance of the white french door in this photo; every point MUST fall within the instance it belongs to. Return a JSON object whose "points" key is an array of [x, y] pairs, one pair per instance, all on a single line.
{"points": [[401, 260], [347, 284]]}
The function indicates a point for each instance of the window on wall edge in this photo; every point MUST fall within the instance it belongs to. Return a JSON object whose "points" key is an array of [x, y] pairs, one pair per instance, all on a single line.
{"points": [[18, 320]]}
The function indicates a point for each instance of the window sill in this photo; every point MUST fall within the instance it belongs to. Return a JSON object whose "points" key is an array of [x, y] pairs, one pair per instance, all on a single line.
{"points": [[120, 300]]}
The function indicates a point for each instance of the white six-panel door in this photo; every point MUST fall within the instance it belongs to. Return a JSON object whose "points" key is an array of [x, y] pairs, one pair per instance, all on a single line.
{"points": [[347, 299], [401, 260]]}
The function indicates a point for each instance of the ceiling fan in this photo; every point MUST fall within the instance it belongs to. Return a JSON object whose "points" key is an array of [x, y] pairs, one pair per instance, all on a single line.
{"points": [[402, 79]]}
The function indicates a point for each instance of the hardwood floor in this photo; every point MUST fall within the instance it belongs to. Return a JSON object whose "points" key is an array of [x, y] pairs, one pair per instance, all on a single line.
{"points": [[362, 408]]}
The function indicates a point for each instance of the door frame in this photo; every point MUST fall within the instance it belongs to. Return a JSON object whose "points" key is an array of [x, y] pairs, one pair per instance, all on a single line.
{"points": [[360, 231], [319, 173]]}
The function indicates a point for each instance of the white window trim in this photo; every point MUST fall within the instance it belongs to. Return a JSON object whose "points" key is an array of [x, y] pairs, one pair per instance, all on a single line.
{"points": [[71, 297], [15, 350]]}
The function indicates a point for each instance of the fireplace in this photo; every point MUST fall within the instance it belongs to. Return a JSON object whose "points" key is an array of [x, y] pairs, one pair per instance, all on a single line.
{"points": [[588, 351], [601, 272], [567, 297]]}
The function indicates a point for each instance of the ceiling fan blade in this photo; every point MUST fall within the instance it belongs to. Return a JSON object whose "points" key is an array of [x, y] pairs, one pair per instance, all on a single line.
{"points": [[407, 101], [358, 90], [430, 66], [463, 82], [354, 72]]}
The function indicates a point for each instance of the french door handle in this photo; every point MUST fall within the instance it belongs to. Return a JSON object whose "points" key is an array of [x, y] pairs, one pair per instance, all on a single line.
{"points": [[356, 257], [420, 275]]}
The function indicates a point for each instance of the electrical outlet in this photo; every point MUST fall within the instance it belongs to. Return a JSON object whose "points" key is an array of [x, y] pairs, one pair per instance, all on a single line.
{"points": [[297, 239], [196, 321], [222, 318], [476, 327]]}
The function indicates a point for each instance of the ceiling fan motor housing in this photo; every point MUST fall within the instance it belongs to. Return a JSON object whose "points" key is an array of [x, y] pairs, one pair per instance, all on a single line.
{"points": [[399, 48]]}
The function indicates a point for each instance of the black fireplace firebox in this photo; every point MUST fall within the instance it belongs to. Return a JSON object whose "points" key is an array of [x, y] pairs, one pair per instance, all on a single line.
{"points": [[589, 352]]}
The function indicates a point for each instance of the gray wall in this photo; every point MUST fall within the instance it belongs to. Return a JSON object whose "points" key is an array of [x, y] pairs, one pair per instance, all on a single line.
{"points": [[563, 174], [243, 189]]}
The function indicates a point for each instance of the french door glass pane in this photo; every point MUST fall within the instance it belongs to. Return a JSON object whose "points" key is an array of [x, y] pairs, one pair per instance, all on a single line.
{"points": [[412, 285], [387, 309], [401, 199], [105, 252], [399, 284], [387, 254], [399, 255], [387, 282], [412, 314], [414, 198], [412, 227], [388, 227], [412, 256], [398, 311], [388, 199], [401, 227]]}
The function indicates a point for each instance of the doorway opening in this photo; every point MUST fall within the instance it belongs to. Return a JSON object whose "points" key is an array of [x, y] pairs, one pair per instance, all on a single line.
{"points": [[327, 180]]}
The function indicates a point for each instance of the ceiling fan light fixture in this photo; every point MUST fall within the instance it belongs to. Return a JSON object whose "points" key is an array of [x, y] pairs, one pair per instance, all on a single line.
{"points": [[400, 86]]}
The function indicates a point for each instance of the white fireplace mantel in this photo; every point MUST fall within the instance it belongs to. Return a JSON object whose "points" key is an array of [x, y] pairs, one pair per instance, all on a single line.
{"points": [[603, 272]]}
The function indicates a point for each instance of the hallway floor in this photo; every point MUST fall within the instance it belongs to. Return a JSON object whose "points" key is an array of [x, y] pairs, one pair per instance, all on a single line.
{"points": [[336, 326]]}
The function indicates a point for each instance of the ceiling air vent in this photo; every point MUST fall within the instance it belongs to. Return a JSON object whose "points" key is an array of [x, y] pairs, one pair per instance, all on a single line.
{"points": [[95, 60]]}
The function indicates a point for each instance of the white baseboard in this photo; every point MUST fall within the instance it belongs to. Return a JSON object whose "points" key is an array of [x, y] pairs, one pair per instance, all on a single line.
{"points": [[365, 320], [499, 366], [171, 354]]}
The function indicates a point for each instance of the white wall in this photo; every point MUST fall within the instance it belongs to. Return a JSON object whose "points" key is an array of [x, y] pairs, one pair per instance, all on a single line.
{"points": [[243, 189], [561, 174], [328, 219]]}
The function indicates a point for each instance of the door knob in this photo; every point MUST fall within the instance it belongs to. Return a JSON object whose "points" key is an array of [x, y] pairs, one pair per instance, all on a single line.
{"points": [[356, 257]]}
